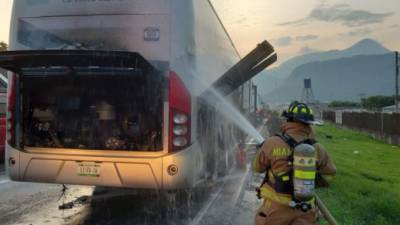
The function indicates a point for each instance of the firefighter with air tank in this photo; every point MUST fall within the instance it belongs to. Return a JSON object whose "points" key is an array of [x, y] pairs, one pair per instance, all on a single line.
{"points": [[294, 164]]}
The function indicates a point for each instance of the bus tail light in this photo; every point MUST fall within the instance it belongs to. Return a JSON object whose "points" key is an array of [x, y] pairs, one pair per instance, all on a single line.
{"points": [[11, 101], [180, 109]]}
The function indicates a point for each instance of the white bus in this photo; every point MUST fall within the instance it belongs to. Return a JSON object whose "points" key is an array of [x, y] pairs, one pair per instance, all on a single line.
{"points": [[106, 93]]}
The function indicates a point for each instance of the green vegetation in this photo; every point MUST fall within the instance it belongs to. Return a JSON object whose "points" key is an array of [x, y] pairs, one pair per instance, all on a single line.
{"points": [[336, 104], [366, 190], [377, 102], [372, 103], [3, 46]]}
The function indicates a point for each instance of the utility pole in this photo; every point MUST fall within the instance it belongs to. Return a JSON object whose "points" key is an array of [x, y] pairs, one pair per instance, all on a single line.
{"points": [[250, 90], [397, 81], [255, 97], [242, 98]]}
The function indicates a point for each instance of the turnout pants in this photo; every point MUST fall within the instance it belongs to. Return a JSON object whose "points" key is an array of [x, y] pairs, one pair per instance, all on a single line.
{"points": [[271, 213]]}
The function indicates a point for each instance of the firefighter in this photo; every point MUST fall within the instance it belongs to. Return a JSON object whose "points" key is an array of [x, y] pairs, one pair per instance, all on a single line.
{"points": [[276, 158], [241, 156]]}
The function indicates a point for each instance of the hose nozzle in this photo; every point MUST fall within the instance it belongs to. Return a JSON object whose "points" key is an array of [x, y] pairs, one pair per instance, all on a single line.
{"points": [[258, 146]]}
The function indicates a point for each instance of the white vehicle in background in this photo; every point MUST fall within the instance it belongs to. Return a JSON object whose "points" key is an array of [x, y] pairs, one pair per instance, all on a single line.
{"points": [[106, 93]]}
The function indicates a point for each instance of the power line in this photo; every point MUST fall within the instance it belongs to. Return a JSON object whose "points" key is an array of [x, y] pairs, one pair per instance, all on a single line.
{"points": [[397, 80]]}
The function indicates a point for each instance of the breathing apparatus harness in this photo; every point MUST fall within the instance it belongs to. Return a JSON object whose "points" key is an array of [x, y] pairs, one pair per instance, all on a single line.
{"points": [[296, 182]]}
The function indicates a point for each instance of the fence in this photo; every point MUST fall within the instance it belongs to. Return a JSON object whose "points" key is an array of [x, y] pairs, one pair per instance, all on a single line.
{"points": [[380, 125]]}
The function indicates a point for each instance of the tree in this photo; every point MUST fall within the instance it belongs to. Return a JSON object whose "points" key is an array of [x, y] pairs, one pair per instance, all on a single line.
{"points": [[3, 46], [345, 104], [377, 102]]}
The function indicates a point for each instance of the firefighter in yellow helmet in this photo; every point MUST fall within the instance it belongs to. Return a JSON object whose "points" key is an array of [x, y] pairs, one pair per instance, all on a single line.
{"points": [[294, 163]]}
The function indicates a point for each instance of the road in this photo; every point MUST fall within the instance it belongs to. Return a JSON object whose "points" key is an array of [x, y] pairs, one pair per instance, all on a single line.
{"points": [[31, 203], [230, 200]]}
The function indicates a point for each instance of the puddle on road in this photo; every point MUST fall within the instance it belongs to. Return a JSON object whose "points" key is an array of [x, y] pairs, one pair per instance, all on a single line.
{"points": [[238, 212], [144, 207], [49, 213]]}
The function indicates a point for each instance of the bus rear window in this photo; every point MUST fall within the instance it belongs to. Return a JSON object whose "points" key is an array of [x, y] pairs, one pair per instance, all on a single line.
{"points": [[101, 112]]}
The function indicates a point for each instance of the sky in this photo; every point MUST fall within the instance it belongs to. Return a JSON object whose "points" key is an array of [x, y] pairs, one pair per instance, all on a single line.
{"points": [[302, 26], [5, 14], [296, 27]]}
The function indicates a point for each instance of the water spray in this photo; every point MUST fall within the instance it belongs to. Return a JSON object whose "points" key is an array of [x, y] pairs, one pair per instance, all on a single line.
{"points": [[257, 60], [233, 114]]}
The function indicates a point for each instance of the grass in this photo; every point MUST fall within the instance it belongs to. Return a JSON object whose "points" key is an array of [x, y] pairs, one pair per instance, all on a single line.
{"points": [[366, 190]]}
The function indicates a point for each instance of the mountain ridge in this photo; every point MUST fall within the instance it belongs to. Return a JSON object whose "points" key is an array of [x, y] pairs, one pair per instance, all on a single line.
{"points": [[275, 77], [340, 79]]}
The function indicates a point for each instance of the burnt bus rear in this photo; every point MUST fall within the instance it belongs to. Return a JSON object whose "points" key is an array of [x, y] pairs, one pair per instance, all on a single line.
{"points": [[100, 80], [93, 96], [120, 111], [65, 105]]}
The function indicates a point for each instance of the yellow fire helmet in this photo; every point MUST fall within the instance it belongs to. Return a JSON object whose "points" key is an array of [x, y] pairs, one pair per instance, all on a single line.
{"points": [[300, 112]]}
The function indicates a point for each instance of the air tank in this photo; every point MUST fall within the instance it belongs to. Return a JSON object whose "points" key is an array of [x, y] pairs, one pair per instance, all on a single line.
{"points": [[304, 160]]}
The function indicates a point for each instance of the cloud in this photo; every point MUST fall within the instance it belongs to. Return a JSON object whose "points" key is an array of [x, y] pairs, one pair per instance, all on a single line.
{"points": [[240, 21], [307, 37], [282, 41], [306, 50], [341, 13], [357, 32], [287, 40], [295, 22]]}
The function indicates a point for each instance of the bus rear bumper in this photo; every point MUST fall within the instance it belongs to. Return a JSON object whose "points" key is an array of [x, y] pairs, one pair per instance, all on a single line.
{"points": [[166, 171]]}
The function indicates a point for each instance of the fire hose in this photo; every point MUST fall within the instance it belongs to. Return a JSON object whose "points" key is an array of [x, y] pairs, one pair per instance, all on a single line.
{"points": [[325, 212]]}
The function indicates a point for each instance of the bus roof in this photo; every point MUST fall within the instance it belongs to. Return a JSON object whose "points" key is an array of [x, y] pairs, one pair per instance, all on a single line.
{"points": [[43, 8]]}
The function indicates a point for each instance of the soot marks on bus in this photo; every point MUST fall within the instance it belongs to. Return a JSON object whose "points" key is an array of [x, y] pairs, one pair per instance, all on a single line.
{"points": [[98, 112]]}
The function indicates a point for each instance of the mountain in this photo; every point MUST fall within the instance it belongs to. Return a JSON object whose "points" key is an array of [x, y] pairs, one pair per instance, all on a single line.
{"points": [[341, 79], [273, 78]]}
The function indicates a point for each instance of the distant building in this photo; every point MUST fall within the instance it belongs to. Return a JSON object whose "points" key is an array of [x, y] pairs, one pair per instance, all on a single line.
{"points": [[389, 109]]}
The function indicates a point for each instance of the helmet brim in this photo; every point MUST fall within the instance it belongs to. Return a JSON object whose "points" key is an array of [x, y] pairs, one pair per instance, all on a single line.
{"points": [[311, 122]]}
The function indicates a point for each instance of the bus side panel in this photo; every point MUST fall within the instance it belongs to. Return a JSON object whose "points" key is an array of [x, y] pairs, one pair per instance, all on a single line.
{"points": [[201, 51], [214, 52]]}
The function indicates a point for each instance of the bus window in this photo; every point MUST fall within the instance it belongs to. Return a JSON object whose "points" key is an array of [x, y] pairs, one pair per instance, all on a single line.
{"points": [[93, 112]]}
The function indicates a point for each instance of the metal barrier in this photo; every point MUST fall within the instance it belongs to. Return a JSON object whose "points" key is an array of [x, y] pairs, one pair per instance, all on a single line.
{"points": [[383, 126]]}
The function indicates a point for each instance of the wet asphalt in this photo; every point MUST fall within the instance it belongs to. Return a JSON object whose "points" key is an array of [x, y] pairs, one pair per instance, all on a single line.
{"points": [[228, 201]]}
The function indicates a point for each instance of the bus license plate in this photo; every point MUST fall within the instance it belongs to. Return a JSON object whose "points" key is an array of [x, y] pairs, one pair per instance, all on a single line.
{"points": [[89, 170]]}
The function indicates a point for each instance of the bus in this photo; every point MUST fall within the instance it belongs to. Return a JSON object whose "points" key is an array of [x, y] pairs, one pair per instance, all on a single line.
{"points": [[106, 93]]}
